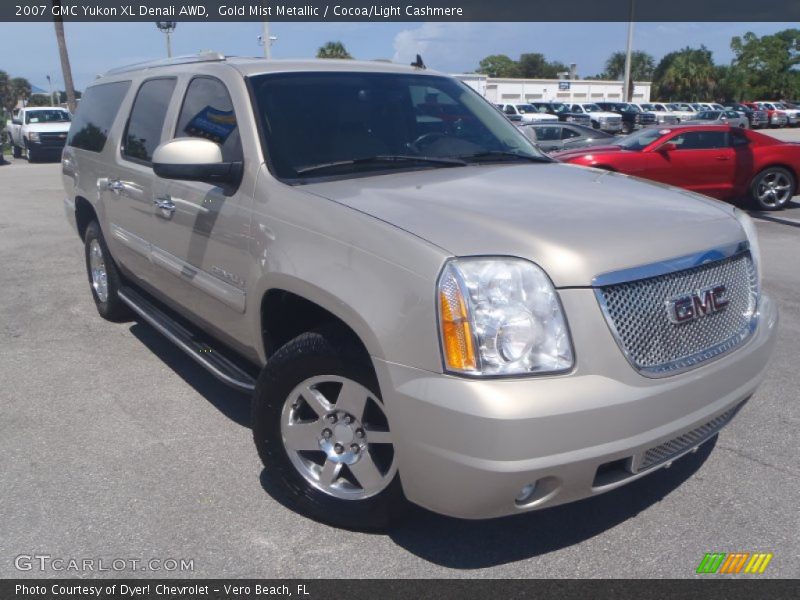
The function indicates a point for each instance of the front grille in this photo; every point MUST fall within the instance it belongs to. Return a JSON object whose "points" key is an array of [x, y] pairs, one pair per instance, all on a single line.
{"points": [[647, 118], [52, 139], [682, 443], [669, 119], [638, 314]]}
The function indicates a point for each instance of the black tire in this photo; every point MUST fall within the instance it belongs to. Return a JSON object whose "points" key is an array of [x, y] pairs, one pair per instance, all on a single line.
{"points": [[30, 155], [324, 352], [16, 151], [112, 308], [761, 203], [627, 128]]}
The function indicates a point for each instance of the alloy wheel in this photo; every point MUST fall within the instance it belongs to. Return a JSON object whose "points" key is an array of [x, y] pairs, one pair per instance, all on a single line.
{"points": [[773, 189], [336, 435], [97, 268]]}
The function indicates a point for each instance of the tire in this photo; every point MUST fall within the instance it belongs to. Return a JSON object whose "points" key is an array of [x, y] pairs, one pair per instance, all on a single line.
{"points": [[100, 267], [287, 396], [596, 124], [627, 128], [772, 188], [16, 151], [30, 156]]}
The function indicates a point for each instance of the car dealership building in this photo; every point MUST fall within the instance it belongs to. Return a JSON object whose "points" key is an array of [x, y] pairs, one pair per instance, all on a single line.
{"points": [[509, 90]]}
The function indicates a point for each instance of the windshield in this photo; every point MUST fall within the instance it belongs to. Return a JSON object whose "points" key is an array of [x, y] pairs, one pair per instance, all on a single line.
{"points": [[46, 116], [651, 107], [347, 123], [526, 108], [592, 108], [559, 108], [708, 115], [641, 139]]}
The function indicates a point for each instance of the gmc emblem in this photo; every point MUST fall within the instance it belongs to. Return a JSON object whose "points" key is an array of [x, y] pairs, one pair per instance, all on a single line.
{"points": [[688, 307]]}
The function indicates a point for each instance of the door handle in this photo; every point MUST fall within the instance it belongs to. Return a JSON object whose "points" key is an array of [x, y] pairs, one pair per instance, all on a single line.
{"points": [[165, 204], [722, 157], [115, 185]]}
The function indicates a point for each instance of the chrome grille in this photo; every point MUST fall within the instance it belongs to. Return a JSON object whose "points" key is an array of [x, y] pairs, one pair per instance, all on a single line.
{"points": [[682, 443], [637, 315]]}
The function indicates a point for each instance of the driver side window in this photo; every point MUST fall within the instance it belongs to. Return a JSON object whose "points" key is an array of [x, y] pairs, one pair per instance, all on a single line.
{"points": [[699, 140]]}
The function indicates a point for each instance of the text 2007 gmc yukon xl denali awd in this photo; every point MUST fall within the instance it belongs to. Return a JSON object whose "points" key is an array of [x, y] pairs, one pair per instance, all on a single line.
{"points": [[424, 306]]}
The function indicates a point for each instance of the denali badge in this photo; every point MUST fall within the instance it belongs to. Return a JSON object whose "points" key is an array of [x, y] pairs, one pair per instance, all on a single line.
{"points": [[687, 307]]}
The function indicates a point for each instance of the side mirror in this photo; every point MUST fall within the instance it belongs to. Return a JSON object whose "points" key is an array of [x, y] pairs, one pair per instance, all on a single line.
{"points": [[16, 121], [194, 159], [668, 147]]}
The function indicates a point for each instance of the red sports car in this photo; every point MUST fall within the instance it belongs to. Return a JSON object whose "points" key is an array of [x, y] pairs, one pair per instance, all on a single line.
{"points": [[721, 161]]}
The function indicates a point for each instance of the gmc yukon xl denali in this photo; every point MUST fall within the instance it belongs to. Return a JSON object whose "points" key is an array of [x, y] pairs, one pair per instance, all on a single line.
{"points": [[424, 307]]}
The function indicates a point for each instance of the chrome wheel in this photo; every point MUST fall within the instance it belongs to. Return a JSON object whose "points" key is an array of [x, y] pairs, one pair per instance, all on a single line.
{"points": [[773, 188], [97, 268], [336, 435]]}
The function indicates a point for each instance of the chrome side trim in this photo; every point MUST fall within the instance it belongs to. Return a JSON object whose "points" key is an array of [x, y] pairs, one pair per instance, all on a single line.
{"points": [[671, 265], [226, 293], [219, 366]]}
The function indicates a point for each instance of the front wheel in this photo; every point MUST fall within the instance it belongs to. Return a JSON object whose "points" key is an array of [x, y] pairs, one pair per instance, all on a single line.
{"points": [[627, 128], [321, 431], [772, 188], [16, 151]]}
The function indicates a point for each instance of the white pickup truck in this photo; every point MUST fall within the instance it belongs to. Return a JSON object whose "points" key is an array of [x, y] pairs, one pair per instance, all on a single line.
{"points": [[39, 131]]}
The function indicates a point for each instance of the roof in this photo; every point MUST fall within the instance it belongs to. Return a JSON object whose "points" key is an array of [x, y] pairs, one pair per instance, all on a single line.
{"points": [[253, 66]]}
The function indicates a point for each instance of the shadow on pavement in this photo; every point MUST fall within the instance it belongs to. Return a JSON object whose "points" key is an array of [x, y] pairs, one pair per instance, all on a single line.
{"points": [[233, 404]]}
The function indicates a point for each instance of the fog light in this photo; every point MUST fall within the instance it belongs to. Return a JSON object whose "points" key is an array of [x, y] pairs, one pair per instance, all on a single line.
{"points": [[526, 494]]}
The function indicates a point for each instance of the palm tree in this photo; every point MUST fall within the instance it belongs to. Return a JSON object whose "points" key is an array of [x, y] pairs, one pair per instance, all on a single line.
{"points": [[62, 52], [333, 50], [642, 66], [19, 89]]}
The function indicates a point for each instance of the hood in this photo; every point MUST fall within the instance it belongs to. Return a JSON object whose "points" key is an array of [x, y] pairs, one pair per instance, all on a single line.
{"points": [[599, 148], [48, 127], [574, 222]]}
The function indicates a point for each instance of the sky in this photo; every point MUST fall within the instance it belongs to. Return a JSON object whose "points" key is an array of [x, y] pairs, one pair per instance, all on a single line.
{"points": [[29, 49]]}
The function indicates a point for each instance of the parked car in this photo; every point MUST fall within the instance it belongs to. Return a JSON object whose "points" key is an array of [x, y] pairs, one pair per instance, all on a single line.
{"points": [[792, 113], [664, 114], [528, 113], [562, 111], [725, 162], [757, 118], [777, 118], [721, 117], [558, 136], [38, 132], [600, 119], [633, 117], [422, 308], [515, 118]]}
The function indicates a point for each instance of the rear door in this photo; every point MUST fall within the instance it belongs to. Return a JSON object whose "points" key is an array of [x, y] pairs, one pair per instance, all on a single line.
{"points": [[703, 162], [128, 177]]}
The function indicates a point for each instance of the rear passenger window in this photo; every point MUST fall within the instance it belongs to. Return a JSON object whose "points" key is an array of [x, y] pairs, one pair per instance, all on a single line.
{"points": [[207, 112], [96, 112], [143, 133], [567, 133]]}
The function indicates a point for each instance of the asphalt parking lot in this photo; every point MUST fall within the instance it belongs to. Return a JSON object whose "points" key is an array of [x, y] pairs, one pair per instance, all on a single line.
{"points": [[114, 445]]}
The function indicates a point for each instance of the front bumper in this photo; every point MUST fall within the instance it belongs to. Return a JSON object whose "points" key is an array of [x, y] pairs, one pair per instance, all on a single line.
{"points": [[612, 127], [466, 448]]}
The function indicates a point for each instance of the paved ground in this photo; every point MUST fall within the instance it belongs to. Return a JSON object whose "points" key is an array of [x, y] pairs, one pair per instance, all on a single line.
{"points": [[115, 445]]}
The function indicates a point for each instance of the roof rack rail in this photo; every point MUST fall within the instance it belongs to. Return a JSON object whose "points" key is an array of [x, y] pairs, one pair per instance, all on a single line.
{"points": [[204, 56]]}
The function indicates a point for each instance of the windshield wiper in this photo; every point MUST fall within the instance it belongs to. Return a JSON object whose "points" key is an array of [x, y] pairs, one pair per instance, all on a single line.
{"points": [[505, 154], [387, 158]]}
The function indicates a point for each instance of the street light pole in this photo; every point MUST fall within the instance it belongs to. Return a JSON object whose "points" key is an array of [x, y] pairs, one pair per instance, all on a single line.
{"points": [[627, 91], [50, 85], [167, 27]]}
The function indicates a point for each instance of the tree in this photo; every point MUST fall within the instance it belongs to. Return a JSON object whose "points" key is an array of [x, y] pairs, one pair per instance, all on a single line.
{"points": [[4, 92], [333, 50], [19, 89], [66, 69], [40, 100], [688, 74], [642, 66], [499, 65], [536, 66], [766, 66]]}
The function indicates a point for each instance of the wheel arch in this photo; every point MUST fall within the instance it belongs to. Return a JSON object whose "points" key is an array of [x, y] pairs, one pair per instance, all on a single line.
{"points": [[286, 311], [84, 214], [780, 165]]}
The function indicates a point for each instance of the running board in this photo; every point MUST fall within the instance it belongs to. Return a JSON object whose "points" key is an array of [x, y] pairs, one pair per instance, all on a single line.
{"points": [[214, 362]]}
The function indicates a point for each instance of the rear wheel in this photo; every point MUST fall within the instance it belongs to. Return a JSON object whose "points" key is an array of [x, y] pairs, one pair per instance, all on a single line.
{"points": [[772, 188], [321, 431], [104, 277], [30, 155]]}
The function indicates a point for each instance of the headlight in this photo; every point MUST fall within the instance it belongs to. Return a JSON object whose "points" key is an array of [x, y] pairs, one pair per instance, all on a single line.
{"points": [[752, 238], [33, 136], [501, 316]]}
